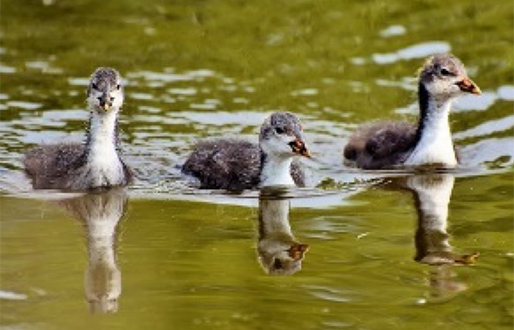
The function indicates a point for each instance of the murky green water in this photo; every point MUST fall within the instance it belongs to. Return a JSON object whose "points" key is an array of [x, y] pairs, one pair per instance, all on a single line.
{"points": [[385, 250]]}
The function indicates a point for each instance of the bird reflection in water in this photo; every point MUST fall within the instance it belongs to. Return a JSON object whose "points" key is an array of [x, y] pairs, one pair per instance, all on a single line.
{"points": [[432, 194], [101, 214], [279, 251]]}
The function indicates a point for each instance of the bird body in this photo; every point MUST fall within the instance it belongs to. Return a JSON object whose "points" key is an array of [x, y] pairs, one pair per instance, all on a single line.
{"points": [[94, 164], [229, 164], [234, 164], [381, 144], [386, 145], [435, 145]]}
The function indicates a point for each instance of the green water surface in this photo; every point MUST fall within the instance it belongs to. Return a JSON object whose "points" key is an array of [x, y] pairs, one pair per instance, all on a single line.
{"points": [[163, 255]]}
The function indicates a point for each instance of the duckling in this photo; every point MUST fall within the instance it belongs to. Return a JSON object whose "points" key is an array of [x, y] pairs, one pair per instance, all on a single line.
{"points": [[234, 164], [386, 144], [95, 164]]}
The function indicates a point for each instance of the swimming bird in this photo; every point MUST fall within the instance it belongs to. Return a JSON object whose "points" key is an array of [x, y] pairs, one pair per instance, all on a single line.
{"points": [[234, 164], [386, 144], [96, 163]]}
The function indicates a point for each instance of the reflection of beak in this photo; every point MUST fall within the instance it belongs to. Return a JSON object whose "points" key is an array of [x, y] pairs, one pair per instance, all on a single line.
{"points": [[299, 147], [467, 85], [298, 250], [467, 259]]}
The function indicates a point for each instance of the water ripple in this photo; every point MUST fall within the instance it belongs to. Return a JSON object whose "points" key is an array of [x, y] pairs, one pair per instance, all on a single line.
{"points": [[393, 31], [420, 50], [487, 128]]}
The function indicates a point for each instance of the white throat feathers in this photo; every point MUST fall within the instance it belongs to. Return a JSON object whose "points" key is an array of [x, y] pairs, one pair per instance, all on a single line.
{"points": [[276, 170], [435, 145], [105, 166]]}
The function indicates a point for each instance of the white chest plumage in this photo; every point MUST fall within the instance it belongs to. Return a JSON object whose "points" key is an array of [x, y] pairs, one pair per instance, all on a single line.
{"points": [[104, 167], [276, 172], [435, 145]]}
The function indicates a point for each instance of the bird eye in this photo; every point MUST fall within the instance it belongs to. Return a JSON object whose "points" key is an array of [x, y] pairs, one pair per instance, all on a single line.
{"points": [[118, 87], [94, 86], [445, 72], [279, 130]]}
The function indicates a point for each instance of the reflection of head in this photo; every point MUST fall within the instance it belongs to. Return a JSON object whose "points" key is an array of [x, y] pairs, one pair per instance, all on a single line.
{"points": [[281, 259], [444, 282], [100, 213], [103, 288], [279, 252]]}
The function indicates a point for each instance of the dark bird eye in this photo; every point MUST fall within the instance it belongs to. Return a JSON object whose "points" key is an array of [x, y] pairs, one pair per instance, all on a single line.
{"points": [[279, 130], [118, 87], [94, 86], [445, 72]]}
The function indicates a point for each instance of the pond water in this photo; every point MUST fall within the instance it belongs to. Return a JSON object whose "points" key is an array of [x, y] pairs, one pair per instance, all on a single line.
{"points": [[367, 250]]}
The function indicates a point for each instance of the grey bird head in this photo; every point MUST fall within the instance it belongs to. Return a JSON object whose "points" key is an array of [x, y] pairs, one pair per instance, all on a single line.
{"points": [[282, 136], [105, 91], [444, 77]]}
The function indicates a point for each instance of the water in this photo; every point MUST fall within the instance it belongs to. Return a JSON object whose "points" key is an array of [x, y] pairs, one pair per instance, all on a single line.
{"points": [[386, 250]]}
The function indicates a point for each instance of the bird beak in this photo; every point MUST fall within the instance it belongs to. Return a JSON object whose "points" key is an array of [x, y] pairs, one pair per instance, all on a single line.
{"points": [[467, 85], [297, 251], [105, 101], [299, 147]]}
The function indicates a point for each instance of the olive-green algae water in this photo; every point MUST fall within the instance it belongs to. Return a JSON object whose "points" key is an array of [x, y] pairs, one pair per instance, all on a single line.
{"points": [[356, 250]]}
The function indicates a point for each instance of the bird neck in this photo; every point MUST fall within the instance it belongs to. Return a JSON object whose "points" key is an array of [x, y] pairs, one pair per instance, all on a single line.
{"points": [[275, 170], [102, 137], [433, 142]]}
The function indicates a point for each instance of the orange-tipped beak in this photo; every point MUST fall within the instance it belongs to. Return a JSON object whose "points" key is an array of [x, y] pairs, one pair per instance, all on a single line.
{"points": [[297, 251], [467, 85], [299, 147]]}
